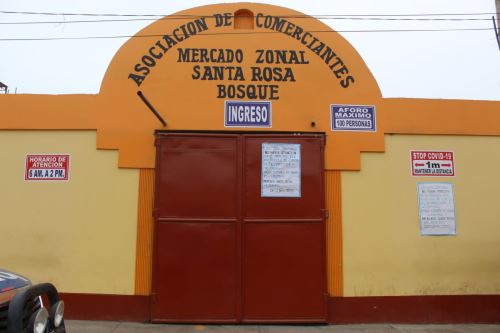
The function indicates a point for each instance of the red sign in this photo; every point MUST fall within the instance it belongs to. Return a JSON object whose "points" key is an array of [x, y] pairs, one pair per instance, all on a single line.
{"points": [[46, 167], [432, 163]]}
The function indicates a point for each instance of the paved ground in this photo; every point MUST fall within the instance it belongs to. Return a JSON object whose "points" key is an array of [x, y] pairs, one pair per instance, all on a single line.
{"points": [[78, 326]]}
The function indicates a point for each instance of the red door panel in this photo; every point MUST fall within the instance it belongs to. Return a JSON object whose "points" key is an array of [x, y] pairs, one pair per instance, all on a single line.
{"points": [[198, 177], [195, 272], [284, 272], [284, 251]]}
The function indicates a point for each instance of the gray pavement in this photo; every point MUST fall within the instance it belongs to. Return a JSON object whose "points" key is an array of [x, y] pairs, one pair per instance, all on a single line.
{"points": [[81, 326]]}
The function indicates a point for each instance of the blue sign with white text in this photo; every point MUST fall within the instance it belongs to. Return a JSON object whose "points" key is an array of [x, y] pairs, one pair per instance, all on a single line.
{"points": [[247, 114], [357, 118]]}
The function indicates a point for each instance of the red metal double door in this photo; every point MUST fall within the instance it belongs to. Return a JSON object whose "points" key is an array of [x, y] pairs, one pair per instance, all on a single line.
{"points": [[223, 251]]}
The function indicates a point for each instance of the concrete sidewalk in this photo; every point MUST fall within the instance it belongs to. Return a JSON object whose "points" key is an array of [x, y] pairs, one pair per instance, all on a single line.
{"points": [[80, 326]]}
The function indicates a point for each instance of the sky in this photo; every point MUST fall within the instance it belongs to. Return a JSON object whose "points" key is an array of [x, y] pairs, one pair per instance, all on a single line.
{"points": [[437, 64]]}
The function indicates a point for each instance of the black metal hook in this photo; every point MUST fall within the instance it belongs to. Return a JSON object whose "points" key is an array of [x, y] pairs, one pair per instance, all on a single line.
{"points": [[151, 107]]}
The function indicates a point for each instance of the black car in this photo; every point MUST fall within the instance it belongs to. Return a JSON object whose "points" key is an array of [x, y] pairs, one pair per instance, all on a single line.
{"points": [[22, 309]]}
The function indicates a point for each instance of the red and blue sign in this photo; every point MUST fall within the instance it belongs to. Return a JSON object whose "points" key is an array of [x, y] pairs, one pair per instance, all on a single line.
{"points": [[432, 163], [354, 118], [43, 167], [247, 114]]}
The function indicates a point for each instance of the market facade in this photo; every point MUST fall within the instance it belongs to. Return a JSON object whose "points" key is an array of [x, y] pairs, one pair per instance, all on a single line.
{"points": [[241, 165]]}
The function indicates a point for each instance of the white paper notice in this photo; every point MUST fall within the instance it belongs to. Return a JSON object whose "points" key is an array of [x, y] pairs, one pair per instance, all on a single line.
{"points": [[280, 170], [436, 209]]}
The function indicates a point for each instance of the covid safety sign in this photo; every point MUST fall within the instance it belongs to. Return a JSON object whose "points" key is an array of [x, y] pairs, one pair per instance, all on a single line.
{"points": [[432, 163], [47, 167]]}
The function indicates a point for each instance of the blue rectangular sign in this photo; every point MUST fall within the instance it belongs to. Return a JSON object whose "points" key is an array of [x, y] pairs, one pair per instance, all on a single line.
{"points": [[357, 118], [247, 114]]}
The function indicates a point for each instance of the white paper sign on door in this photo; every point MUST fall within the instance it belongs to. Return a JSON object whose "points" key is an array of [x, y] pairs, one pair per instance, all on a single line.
{"points": [[281, 170]]}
